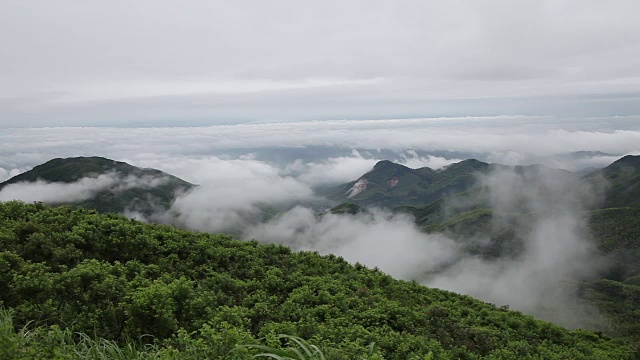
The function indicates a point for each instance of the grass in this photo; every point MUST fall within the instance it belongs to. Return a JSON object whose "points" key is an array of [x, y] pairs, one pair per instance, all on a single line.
{"points": [[30, 342], [298, 349], [36, 342]]}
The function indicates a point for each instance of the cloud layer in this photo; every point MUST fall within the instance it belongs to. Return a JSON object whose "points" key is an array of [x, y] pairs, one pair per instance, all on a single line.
{"points": [[83, 189], [377, 238], [220, 62], [501, 139]]}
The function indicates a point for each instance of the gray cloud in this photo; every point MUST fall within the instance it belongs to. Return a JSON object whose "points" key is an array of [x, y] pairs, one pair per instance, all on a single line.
{"points": [[389, 242], [83, 189], [333, 170], [233, 194], [411, 159], [8, 173], [167, 63]]}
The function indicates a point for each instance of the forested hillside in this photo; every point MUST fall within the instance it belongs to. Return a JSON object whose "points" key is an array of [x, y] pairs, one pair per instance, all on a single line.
{"points": [[196, 295], [619, 183]]}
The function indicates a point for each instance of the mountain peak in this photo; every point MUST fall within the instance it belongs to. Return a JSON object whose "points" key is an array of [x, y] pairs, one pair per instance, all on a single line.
{"points": [[390, 184], [468, 164], [387, 164], [72, 169], [633, 160]]}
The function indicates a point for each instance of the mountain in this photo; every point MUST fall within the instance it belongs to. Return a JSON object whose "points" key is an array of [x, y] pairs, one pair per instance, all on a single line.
{"points": [[123, 186], [390, 185], [618, 183], [395, 186], [70, 275]]}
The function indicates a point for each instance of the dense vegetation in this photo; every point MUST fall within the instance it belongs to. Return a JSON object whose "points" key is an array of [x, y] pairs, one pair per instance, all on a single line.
{"points": [[195, 295]]}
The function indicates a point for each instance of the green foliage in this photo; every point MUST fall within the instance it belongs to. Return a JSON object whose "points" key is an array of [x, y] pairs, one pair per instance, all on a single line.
{"points": [[298, 349], [185, 295], [53, 342]]}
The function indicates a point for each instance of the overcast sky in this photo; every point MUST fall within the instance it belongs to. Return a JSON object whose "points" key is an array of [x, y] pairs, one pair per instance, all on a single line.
{"points": [[159, 62]]}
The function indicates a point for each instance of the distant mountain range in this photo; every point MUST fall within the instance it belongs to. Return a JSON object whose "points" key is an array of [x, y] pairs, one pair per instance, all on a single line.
{"points": [[420, 192], [391, 185], [148, 189]]}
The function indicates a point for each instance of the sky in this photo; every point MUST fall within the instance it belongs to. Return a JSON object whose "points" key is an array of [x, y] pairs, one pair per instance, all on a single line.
{"points": [[175, 63]]}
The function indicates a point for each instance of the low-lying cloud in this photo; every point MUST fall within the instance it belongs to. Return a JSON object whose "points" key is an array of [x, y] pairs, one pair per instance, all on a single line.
{"points": [[333, 170], [412, 159], [6, 174], [557, 255], [83, 189], [232, 194], [375, 238]]}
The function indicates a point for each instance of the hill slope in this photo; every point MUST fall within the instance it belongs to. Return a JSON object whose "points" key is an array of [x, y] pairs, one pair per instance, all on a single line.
{"points": [[619, 182], [120, 278], [131, 188]]}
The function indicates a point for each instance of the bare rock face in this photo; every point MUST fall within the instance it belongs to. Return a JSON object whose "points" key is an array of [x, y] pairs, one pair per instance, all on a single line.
{"points": [[358, 187]]}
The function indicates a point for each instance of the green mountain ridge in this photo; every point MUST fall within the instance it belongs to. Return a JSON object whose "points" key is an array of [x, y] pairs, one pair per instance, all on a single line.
{"points": [[391, 185], [618, 183], [145, 197]]}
